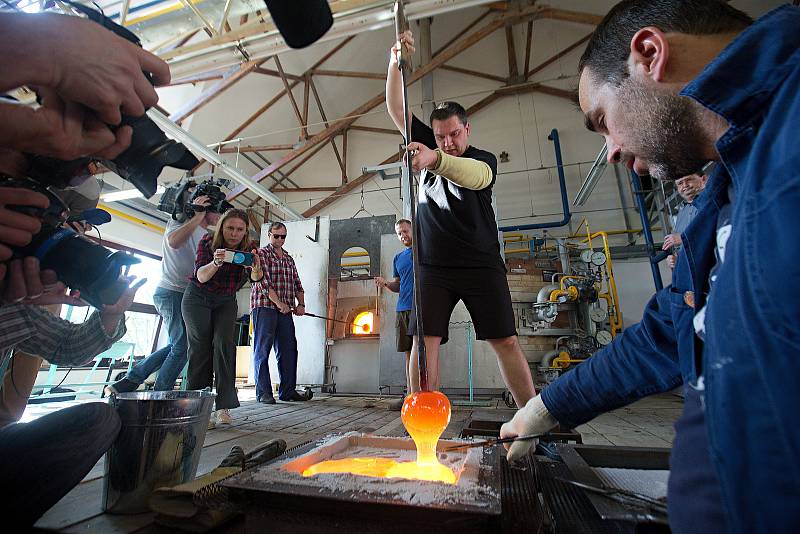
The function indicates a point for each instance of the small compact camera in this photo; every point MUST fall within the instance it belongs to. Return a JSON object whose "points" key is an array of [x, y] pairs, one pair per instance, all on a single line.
{"points": [[237, 257]]}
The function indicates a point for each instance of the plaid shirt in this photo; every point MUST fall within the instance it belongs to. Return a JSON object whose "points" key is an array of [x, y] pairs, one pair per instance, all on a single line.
{"points": [[280, 275], [228, 279], [37, 331]]}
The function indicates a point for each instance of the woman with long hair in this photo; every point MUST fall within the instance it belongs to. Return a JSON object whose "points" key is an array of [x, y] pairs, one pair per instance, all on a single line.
{"points": [[209, 310]]}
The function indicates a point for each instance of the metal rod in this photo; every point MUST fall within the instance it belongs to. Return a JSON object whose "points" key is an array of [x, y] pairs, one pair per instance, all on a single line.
{"points": [[638, 194], [422, 355]]}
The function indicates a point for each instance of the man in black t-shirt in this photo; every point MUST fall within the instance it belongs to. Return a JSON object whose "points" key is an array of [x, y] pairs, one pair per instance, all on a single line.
{"points": [[458, 245]]}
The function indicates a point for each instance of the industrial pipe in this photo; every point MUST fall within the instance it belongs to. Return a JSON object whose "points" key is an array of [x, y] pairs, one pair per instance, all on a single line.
{"points": [[636, 184], [562, 182]]}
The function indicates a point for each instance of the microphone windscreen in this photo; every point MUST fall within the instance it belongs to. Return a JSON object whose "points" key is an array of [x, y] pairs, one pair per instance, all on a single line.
{"points": [[301, 22]]}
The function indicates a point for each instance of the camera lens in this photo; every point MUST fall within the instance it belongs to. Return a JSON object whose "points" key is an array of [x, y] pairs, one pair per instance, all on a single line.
{"points": [[86, 266]]}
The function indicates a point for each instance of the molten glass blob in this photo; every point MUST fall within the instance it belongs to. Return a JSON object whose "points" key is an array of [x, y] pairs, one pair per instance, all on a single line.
{"points": [[362, 324], [425, 415]]}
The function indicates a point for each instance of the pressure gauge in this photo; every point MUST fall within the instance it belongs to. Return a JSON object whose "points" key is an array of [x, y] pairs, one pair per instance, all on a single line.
{"points": [[586, 255], [603, 337], [598, 315], [598, 258]]}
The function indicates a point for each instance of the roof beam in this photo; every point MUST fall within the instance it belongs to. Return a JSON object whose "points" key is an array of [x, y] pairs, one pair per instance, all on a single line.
{"points": [[215, 90], [513, 69], [475, 73], [556, 57], [303, 131], [372, 129], [341, 124], [249, 148], [475, 108], [350, 74]]}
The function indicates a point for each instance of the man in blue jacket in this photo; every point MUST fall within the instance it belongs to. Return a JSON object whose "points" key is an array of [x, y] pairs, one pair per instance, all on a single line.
{"points": [[673, 85]]}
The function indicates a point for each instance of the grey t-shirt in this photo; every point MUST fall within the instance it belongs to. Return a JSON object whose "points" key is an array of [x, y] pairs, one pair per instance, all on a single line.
{"points": [[177, 265]]}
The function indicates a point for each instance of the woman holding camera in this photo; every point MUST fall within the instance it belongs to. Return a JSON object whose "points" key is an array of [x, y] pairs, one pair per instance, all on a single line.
{"points": [[209, 310]]}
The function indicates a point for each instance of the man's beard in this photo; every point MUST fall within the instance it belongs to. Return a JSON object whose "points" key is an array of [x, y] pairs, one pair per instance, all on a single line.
{"points": [[666, 130]]}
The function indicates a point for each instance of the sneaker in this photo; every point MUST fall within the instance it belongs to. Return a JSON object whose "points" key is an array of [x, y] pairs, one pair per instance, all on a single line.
{"points": [[121, 386], [224, 417], [212, 422]]}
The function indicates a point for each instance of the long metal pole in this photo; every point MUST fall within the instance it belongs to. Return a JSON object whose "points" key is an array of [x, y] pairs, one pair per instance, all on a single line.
{"points": [[648, 234], [402, 64]]}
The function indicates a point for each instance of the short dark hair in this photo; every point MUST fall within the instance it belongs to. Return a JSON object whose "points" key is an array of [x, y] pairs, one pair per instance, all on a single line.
{"points": [[444, 110], [607, 53], [276, 226]]}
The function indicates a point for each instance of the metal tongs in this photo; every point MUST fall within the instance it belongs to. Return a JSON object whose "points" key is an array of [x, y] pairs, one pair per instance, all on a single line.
{"points": [[492, 442], [621, 495]]}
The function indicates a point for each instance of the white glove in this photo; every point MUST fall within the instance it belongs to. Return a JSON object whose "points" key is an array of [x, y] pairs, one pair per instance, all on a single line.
{"points": [[533, 418]]}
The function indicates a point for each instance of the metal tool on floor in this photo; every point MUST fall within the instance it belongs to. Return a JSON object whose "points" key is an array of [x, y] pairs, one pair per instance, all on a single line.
{"points": [[493, 442], [621, 495]]}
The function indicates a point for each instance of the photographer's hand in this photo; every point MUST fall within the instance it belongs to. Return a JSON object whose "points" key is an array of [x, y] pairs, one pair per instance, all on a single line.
{"points": [[64, 130], [112, 314], [17, 229], [82, 61], [27, 283]]}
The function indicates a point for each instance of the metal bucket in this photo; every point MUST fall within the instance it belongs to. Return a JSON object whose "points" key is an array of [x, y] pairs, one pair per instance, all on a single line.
{"points": [[159, 445]]}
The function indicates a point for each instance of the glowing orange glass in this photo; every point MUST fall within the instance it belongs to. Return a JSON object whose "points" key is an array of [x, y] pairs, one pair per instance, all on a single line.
{"points": [[425, 415], [363, 323]]}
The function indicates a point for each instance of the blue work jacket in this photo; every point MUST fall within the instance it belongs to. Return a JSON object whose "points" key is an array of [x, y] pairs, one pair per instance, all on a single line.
{"points": [[750, 360]]}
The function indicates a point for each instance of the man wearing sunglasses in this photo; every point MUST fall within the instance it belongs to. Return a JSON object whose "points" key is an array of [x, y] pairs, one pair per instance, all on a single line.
{"points": [[273, 299]]}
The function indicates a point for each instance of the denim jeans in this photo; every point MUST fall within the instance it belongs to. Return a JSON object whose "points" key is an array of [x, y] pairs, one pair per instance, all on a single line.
{"points": [[43, 460], [272, 327], [170, 359]]}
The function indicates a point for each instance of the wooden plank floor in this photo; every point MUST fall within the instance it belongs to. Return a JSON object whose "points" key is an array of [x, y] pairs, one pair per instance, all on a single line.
{"points": [[646, 423]]}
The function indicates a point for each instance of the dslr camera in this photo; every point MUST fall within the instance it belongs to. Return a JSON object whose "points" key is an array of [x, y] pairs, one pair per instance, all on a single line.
{"points": [[78, 261], [178, 199]]}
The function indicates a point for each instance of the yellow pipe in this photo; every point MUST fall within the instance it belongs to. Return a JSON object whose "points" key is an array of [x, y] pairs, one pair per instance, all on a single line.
{"points": [[131, 218], [615, 325], [355, 254], [360, 264], [157, 13]]}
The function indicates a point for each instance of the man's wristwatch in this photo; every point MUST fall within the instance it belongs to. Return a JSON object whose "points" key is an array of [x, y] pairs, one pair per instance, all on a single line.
{"points": [[218, 264]]}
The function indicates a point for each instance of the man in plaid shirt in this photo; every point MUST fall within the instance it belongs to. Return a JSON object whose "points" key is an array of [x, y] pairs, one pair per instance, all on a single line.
{"points": [[273, 299]]}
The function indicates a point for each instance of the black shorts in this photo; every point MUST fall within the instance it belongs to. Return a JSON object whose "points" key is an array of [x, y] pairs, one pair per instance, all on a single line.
{"points": [[484, 292], [403, 337]]}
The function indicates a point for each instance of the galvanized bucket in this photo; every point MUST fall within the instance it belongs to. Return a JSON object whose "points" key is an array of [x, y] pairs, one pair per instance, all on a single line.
{"points": [[159, 445]]}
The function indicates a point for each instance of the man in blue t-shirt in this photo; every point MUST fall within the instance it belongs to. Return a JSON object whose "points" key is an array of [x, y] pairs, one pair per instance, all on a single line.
{"points": [[403, 273]]}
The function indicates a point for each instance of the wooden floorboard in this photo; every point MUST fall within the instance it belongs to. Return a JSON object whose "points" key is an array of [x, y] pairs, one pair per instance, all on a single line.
{"points": [[645, 423]]}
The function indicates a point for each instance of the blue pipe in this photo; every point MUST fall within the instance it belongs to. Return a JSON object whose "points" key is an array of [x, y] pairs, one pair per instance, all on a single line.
{"points": [[562, 182], [636, 185]]}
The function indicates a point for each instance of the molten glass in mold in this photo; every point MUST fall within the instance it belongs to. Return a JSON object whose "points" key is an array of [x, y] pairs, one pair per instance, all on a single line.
{"points": [[425, 415]]}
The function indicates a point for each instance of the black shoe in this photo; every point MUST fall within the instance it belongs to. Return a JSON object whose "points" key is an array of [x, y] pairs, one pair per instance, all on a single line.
{"points": [[294, 397], [121, 386], [266, 400]]}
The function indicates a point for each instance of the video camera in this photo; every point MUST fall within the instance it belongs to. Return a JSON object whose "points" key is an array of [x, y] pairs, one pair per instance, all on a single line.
{"points": [[178, 199]]}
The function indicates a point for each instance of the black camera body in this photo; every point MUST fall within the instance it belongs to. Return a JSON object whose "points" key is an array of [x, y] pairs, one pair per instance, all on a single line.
{"points": [[78, 261]]}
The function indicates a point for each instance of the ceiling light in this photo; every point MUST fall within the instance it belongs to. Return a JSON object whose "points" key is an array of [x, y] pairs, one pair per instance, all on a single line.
{"points": [[127, 194]]}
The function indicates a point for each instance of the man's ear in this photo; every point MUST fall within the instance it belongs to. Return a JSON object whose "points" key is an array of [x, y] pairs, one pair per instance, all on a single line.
{"points": [[468, 128], [649, 54]]}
